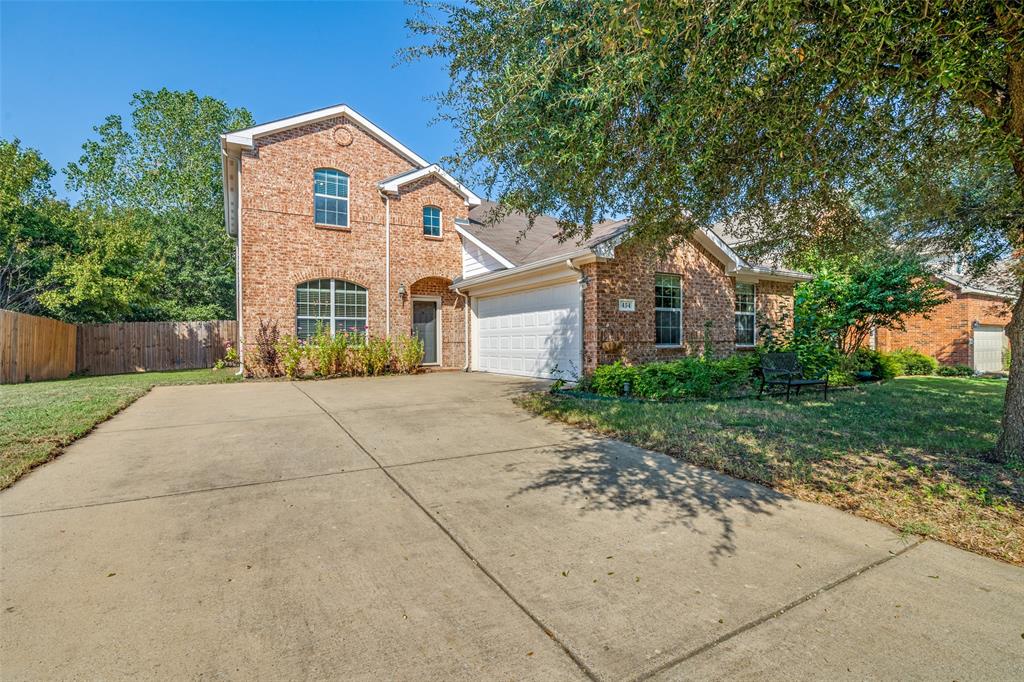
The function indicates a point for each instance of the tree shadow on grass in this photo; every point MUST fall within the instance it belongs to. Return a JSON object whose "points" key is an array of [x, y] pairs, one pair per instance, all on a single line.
{"points": [[602, 476]]}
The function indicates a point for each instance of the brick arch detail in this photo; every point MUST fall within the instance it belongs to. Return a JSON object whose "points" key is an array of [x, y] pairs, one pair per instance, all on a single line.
{"points": [[308, 274]]}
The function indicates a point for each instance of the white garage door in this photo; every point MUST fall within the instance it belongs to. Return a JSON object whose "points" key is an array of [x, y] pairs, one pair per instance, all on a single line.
{"points": [[533, 333], [988, 349]]}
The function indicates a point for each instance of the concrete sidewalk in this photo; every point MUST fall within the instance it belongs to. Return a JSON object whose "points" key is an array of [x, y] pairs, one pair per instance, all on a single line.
{"points": [[424, 527]]}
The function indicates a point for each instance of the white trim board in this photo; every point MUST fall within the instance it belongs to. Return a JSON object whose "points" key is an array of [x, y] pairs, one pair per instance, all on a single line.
{"points": [[246, 138], [392, 185]]}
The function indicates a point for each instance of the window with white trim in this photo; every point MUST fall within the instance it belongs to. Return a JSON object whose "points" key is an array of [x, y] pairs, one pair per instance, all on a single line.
{"points": [[432, 221], [330, 197], [668, 310], [746, 314], [333, 304]]}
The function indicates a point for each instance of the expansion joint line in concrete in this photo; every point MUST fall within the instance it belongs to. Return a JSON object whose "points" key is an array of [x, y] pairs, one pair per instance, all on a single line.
{"points": [[775, 614], [547, 630]]}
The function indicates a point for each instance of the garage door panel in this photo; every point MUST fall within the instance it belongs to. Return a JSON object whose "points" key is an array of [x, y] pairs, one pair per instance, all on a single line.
{"points": [[988, 348], [532, 333]]}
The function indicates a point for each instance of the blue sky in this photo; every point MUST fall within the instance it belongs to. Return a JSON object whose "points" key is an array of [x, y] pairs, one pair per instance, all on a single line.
{"points": [[64, 66]]}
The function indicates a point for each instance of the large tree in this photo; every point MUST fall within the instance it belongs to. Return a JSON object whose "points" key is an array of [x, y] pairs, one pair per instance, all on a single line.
{"points": [[166, 163], [78, 264], [789, 118]]}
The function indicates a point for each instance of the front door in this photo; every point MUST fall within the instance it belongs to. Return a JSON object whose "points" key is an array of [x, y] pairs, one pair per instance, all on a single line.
{"points": [[424, 327]]}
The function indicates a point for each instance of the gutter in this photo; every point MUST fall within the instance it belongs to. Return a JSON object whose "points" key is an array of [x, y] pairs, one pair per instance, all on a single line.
{"points": [[530, 267]]}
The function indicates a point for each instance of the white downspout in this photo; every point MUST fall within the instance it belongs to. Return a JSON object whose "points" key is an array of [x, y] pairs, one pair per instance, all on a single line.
{"points": [[387, 263], [238, 262], [465, 326], [582, 281]]}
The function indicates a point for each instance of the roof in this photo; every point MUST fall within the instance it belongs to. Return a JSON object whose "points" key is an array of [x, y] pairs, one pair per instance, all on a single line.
{"points": [[245, 138], [998, 281], [518, 244], [393, 183]]}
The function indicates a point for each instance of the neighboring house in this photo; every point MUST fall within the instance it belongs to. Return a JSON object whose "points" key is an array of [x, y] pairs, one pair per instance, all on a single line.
{"points": [[968, 329], [339, 224]]}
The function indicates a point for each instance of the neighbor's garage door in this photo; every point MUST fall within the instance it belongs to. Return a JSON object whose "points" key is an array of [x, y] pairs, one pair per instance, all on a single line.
{"points": [[988, 349], [531, 333]]}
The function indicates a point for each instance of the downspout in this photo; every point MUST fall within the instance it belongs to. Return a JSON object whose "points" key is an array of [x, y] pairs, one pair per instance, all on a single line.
{"points": [[387, 262], [465, 326], [582, 281], [238, 263]]}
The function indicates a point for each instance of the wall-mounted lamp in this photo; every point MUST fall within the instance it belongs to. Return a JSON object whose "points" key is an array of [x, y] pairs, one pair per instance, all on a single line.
{"points": [[401, 290]]}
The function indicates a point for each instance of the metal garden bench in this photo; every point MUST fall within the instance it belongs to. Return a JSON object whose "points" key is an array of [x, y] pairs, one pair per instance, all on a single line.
{"points": [[783, 369]]}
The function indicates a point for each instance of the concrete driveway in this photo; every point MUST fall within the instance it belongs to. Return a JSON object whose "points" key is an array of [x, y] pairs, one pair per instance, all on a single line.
{"points": [[424, 528]]}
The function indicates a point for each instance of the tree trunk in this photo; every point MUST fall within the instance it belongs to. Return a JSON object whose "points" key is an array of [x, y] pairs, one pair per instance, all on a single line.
{"points": [[1011, 441]]}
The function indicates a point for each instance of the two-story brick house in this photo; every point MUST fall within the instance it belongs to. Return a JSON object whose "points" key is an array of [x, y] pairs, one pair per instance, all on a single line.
{"points": [[339, 224]]}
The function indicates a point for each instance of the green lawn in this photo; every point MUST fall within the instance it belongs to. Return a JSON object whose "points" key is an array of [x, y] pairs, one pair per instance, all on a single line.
{"points": [[37, 420], [907, 452]]}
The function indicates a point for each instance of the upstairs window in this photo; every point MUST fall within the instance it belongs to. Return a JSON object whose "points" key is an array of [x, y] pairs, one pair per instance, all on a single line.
{"points": [[432, 221], [668, 310], [330, 197], [746, 315]]}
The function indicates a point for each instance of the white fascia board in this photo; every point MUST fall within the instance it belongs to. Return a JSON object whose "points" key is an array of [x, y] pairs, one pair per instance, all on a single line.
{"points": [[968, 289], [246, 138], [502, 279], [395, 183], [491, 252], [752, 273], [716, 245]]}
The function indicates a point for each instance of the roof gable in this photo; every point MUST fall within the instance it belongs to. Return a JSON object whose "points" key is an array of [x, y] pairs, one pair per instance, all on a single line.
{"points": [[395, 182], [247, 138]]}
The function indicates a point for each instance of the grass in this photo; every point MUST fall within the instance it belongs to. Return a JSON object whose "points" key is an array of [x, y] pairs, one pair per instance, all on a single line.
{"points": [[909, 452], [38, 420]]}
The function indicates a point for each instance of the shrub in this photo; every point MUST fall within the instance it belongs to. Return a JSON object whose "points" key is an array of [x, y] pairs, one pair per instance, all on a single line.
{"points": [[881, 365], [955, 371], [674, 380], [913, 363], [328, 354], [292, 353], [408, 352], [372, 357], [263, 360]]}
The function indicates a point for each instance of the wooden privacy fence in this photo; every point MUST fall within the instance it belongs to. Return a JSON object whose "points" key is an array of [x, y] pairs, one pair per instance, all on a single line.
{"points": [[124, 347], [35, 348]]}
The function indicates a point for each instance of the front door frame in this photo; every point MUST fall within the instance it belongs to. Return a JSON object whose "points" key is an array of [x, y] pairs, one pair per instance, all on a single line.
{"points": [[437, 323]]}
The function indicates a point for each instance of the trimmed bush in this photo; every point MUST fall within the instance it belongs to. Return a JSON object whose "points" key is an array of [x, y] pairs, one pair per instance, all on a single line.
{"points": [[913, 363], [675, 380], [955, 371]]}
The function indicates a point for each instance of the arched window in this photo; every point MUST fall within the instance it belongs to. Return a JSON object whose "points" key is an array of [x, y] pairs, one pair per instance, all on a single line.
{"points": [[330, 197], [334, 304], [432, 221]]}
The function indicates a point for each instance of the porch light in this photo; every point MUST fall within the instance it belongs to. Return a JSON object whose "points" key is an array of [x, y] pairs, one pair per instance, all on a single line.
{"points": [[401, 290]]}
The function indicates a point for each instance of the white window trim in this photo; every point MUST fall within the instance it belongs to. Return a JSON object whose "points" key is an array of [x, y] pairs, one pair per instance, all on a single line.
{"points": [[440, 222], [437, 301], [679, 310], [333, 318], [348, 202], [753, 314]]}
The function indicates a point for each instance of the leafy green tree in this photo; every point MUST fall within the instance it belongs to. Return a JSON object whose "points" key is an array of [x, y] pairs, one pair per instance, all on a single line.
{"points": [[787, 117], [851, 295], [31, 236], [167, 163], [111, 270]]}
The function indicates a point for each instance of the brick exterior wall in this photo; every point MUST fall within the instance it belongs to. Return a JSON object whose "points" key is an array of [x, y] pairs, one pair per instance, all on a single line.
{"points": [[281, 246], [709, 294], [946, 333]]}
